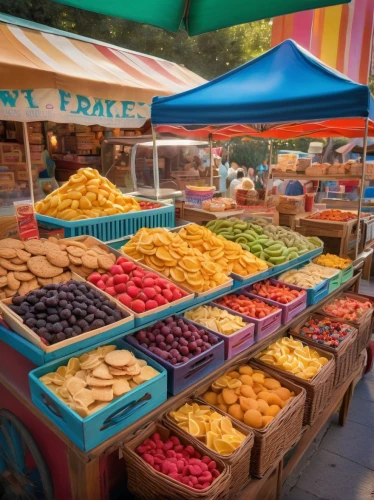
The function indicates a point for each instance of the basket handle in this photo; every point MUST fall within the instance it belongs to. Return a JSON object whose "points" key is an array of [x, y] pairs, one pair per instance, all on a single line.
{"points": [[50, 405], [125, 412]]}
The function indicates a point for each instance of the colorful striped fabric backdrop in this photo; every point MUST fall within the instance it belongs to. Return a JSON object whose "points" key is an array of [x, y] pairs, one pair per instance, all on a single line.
{"points": [[341, 36]]}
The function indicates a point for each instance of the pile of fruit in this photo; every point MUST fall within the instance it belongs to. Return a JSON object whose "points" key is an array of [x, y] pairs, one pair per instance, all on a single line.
{"points": [[301, 277], [325, 331], [320, 271], [232, 257], [148, 205], [136, 288], [292, 356], [254, 308], [175, 340], [330, 260], [60, 311], [86, 195], [334, 215], [89, 383], [276, 291], [179, 462], [347, 308], [249, 395], [273, 244], [216, 319], [210, 427], [168, 254]]}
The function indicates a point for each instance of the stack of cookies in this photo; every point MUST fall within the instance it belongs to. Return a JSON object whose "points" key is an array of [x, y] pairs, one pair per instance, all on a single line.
{"points": [[29, 265], [87, 384]]}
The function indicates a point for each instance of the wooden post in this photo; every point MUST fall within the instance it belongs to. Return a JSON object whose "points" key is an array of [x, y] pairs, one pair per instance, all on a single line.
{"points": [[84, 477], [362, 183], [343, 412]]}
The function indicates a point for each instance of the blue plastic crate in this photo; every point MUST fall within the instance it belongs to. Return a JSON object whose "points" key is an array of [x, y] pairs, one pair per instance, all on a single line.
{"points": [[114, 226], [315, 294], [89, 432]]}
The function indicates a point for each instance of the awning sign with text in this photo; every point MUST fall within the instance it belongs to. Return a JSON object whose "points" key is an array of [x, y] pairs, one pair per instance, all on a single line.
{"points": [[28, 105]]}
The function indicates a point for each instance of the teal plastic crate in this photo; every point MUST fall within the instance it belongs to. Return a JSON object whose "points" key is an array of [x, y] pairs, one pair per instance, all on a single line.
{"points": [[114, 226], [89, 432], [347, 273], [335, 282]]}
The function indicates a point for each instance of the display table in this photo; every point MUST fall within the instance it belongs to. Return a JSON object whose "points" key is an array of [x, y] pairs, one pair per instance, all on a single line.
{"points": [[93, 474], [200, 216]]}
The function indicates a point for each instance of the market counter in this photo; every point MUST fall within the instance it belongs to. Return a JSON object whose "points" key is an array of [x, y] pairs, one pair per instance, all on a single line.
{"points": [[90, 474], [200, 216]]}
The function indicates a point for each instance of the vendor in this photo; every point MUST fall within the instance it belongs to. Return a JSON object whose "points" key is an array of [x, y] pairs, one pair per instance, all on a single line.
{"points": [[236, 182], [223, 173], [232, 171]]}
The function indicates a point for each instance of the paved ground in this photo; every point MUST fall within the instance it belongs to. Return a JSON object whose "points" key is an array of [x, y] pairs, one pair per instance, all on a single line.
{"points": [[339, 465]]}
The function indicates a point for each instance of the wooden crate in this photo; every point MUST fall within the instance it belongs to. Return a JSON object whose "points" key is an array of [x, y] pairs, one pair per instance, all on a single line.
{"points": [[338, 237]]}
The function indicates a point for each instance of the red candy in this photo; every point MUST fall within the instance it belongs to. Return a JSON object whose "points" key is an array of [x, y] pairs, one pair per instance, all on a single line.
{"points": [[277, 292], [181, 463]]}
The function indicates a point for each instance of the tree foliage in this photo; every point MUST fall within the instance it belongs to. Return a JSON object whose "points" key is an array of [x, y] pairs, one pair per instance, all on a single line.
{"points": [[208, 55]]}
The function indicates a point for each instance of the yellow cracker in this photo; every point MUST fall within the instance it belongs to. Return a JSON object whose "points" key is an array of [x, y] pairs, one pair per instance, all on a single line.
{"points": [[3, 281], [58, 258], [84, 397], [66, 276], [118, 358], [27, 286], [35, 247], [75, 384], [6, 264], [102, 372], [98, 382], [42, 268], [90, 261], [13, 283], [102, 394], [75, 251], [105, 261], [121, 387]]}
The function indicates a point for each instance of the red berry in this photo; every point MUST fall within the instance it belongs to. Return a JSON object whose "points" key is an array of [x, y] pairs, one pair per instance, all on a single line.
{"points": [[151, 304], [94, 278], [125, 299], [148, 281], [133, 291], [116, 269], [167, 294], [160, 299], [110, 290], [100, 284], [150, 292], [128, 266], [120, 278], [109, 282], [138, 306]]}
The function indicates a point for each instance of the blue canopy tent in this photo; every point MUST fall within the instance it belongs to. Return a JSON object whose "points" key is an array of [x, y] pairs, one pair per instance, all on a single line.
{"points": [[284, 93]]}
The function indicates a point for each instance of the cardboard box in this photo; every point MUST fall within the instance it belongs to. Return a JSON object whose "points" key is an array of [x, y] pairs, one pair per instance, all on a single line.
{"points": [[8, 227]]}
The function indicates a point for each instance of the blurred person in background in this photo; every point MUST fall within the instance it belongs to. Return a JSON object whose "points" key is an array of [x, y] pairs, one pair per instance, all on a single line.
{"points": [[235, 183]]}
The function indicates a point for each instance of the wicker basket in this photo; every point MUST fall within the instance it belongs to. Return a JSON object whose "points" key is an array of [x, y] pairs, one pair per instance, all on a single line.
{"points": [[239, 460], [291, 205], [146, 483], [364, 324], [344, 354], [318, 389], [277, 438]]}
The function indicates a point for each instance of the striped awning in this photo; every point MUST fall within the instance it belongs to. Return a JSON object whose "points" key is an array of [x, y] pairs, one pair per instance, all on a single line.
{"points": [[62, 77]]}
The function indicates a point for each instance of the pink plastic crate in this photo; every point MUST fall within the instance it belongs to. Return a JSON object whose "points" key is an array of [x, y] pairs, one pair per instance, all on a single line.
{"points": [[289, 310], [264, 326], [237, 342]]}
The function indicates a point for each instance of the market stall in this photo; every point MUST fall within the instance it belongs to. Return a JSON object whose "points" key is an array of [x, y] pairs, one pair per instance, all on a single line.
{"points": [[187, 363]]}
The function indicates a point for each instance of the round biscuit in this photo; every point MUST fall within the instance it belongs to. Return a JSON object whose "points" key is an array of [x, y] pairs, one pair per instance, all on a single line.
{"points": [[117, 358], [58, 258]]}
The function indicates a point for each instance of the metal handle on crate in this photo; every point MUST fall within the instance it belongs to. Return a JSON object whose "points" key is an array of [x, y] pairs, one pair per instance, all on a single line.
{"points": [[125, 412], [50, 405]]}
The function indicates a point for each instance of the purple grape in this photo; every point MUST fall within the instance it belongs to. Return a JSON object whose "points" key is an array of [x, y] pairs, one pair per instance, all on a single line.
{"points": [[199, 342], [159, 339], [151, 337], [157, 351], [207, 345], [162, 346], [185, 359], [187, 335], [192, 338], [169, 338], [180, 323], [205, 338], [203, 348], [165, 330], [201, 332], [152, 344], [174, 353], [164, 355], [173, 361], [168, 348], [172, 324], [192, 346], [174, 344], [184, 328], [159, 324], [183, 342], [176, 331], [141, 335], [169, 320], [192, 328], [213, 340], [152, 348], [144, 345], [184, 350], [197, 351]]}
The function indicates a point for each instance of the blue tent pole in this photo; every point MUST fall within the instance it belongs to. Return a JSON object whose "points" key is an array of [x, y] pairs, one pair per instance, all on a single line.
{"points": [[362, 190], [211, 158], [156, 178]]}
